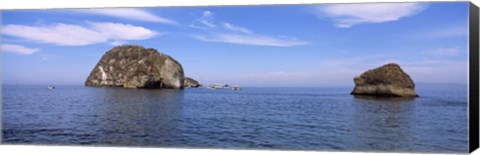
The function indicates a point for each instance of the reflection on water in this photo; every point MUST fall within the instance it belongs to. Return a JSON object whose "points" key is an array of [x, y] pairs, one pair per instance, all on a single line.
{"points": [[383, 123], [130, 114], [254, 118]]}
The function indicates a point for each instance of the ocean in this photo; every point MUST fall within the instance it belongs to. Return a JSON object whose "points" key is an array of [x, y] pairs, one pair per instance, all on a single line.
{"points": [[277, 118]]}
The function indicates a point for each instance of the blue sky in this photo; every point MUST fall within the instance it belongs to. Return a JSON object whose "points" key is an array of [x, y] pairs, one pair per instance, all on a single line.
{"points": [[283, 45]]}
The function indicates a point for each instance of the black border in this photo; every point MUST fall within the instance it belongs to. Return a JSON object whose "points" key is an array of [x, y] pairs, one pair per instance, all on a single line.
{"points": [[474, 78]]}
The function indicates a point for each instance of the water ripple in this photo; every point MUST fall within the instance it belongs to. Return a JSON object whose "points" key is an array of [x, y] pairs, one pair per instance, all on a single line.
{"points": [[254, 118]]}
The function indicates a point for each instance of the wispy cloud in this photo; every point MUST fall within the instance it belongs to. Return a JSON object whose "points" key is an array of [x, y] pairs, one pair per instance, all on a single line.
{"points": [[76, 35], [422, 70], [341, 71], [249, 39], [284, 74], [18, 49], [206, 21], [274, 77], [445, 52], [236, 28], [118, 43], [47, 57], [231, 33], [130, 14], [446, 32], [441, 72], [348, 15]]}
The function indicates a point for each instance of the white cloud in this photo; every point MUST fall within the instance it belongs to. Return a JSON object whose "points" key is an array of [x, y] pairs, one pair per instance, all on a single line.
{"points": [[131, 14], [250, 40], [61, 34], [117, 31], [236, 28], [204, 22], [348, 15], [75, 35], [18, 49]]}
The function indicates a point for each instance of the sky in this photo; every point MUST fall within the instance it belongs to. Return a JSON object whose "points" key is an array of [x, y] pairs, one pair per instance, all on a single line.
{"points": [[323, 45]]}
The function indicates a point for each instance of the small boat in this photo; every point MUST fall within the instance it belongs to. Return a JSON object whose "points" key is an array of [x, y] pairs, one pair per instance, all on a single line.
{"points": [[213, 86], [219, 86], [216, 86], [51, 87], [236, 87]]}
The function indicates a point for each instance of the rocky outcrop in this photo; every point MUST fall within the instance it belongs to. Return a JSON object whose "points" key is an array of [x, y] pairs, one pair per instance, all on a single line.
{"points": [[189, 82], [132, 66], [387, 80]]}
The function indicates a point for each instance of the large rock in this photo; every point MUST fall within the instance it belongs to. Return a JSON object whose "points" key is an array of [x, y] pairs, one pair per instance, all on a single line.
{"points": [[136, 67], [189, 82], [387, 80]]}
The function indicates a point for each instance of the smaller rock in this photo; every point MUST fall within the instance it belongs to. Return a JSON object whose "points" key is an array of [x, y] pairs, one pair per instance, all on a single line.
{"points": [[387, 80], [189, 82]]}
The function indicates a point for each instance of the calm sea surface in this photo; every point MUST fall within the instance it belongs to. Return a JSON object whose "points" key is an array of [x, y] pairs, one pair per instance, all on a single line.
{"points": [[254, 118]]}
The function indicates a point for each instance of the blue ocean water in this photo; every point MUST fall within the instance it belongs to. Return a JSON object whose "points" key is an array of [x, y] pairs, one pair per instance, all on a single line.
{"points": [[328, 119]]}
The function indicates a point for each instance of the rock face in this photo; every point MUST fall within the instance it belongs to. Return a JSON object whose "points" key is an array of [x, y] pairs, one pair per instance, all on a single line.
{"points": [[132, 66], [387, 80], [189, 82]]}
